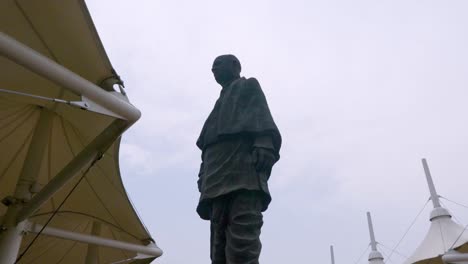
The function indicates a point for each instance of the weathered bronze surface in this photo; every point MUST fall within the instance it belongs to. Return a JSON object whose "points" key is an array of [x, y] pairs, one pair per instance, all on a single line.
{"points": [[240, 143]]}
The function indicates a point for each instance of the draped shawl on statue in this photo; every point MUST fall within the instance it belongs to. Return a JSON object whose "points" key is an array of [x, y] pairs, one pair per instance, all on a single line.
{"points": [[241, 109]]}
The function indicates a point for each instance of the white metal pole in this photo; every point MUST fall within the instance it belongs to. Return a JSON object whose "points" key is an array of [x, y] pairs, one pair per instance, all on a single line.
{"points": [[332, 253], [10, 242], [33, 160], [43, 66], [375, 257], [36, 62], [11, 232], [150, 250], [454, 258], [432, 190], [92, 255], [97, 147], [371, 232]]}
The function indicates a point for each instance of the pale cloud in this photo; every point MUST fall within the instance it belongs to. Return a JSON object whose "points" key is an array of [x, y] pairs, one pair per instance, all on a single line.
{"points": [[137, 159]]}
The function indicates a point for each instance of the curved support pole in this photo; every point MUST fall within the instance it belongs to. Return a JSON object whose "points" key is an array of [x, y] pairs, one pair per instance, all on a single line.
{"points": [[92, 151], [151, 250], [45, 67], [454, 258]]}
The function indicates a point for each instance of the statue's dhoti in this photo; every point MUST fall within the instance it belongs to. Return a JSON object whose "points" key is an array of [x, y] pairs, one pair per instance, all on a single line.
{"points": [[236, 221]]}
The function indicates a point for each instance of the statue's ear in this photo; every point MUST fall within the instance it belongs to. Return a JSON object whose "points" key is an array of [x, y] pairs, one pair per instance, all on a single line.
{"points": [[236, 66]]}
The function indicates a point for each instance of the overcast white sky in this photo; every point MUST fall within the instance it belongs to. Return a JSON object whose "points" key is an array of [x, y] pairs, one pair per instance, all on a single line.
{"points": [[361, 91]]}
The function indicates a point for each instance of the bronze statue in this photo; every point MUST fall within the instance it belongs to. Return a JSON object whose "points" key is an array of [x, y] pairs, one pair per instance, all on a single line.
{"points": [[240, 143]]}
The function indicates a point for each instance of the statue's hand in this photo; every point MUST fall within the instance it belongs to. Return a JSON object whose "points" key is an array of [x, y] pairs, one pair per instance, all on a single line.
{"points": [[263, 159]]}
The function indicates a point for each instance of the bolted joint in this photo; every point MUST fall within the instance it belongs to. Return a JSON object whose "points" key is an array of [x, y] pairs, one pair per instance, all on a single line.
{"points": [[9, 200], [35, 188]]}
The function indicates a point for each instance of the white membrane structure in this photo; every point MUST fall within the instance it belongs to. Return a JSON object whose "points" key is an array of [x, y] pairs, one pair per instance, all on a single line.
{"points": [[375, 257], [61, 120], [444, 235]]}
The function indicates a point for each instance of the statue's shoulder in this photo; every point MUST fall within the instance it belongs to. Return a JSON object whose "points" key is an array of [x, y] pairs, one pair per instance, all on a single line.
{"points": [[252, 82], [250, 85]]}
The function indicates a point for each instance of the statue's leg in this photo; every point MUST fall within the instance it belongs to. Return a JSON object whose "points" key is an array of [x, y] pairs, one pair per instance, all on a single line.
{"points": [[218, 230], [243, 230]]}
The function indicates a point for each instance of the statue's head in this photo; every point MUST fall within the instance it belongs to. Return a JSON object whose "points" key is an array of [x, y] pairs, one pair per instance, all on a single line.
{"points": [[226, 68]]}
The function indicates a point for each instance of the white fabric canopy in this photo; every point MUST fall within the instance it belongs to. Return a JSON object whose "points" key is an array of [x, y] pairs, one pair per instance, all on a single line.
{"points": [[444, 234], [62, 30]]}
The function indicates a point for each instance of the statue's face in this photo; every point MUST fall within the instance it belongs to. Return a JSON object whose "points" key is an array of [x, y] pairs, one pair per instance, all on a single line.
{"points": [[224, 69]]}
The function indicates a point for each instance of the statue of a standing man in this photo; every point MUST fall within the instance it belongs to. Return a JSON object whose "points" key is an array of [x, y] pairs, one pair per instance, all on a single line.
{"points": [[240, 143]]}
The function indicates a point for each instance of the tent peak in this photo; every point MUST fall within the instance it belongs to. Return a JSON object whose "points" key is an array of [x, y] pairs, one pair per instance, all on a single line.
{"points": [[439, 212], [430, 183], [375, 257]]}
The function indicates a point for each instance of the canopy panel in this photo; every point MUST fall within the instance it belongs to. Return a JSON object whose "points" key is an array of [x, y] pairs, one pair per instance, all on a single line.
{"points": [[444, 234], [62, 31]]}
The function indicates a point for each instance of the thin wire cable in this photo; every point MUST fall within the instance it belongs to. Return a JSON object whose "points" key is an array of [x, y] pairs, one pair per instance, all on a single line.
{"points": [[58, 208], [79, 104], [466, 226], [52, 244], [396, 251], [407, 230], [454, 216], [459, 236], [362, 255], [383, 252], [457, 203]]}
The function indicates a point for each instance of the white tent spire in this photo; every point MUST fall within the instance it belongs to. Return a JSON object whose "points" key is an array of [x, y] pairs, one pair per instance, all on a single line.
{"points": [[432, 190], [332, 255], [371, 233], [438, 211], [375, 257], [444, 234]]}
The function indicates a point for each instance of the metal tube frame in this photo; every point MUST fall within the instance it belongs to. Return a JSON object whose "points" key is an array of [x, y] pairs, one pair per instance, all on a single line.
{"points": [[92, 254], [454, 258], [43, 66], [47, 68], [150, 250], [11, 234], [91, 152]]}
